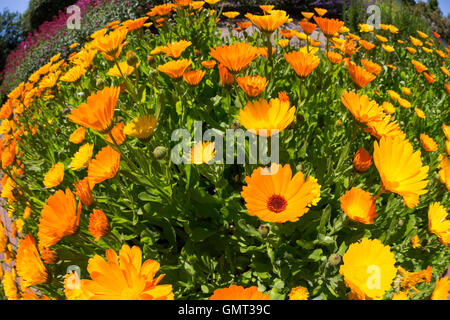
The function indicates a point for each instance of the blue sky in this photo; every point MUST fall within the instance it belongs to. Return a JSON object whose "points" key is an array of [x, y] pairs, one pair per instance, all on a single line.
{"points": [[21, 5]]}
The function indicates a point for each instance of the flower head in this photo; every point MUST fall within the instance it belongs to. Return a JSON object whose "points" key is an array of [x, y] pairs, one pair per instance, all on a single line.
{"points": [[302, 63], [82, 157], [298, 293], [98, 224], [235, 292], [419, 66], [252, 86], [83, 192], [274, 196], [202, 153], [361, 107], [29, 265], [362, 160], [360, 76], [359, 205], [175, 68], [54, 176], [175, 49], [438, 222], [428, 143], [78, 135], [329, 27], [235, 57], [441, 289], [141, 127], [193, 77], [104, 166], [111, 45], [270, 22]]}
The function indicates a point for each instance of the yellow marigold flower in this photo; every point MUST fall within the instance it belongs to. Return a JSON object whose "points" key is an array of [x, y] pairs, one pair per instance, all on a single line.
{"points": [[428, 143], [175, 49], [361, 107], [104, 166], [401, 295], [274, 196], [438, 222], [212, 2], [365, 28], [411, 50], [111, 45], [193, 77], [422, 35], [368, 269], [125, 277], [49, 81], [125, 69], [415, 241], [175, 68], [283, 43], [252, 86], [360, 76], [235, 292], [141, 127], [78, 135], [329, 27], [359, 205], [362, 160], [298, 293], [19, 225], [54, 176], [381, 38], [366, 44], [98, 112], [416, 41], [73, 74], [73, 45], [404, 103], [446, 130], [401, 169], [266, 118], [427, 50], [270, 22], [441, 289], [419, 66], [372, 67], [59, 218], [302, 63], [29, 265], [420, 113], [202, 153], [388, 107], [72, 287], [10, 286], [406, 91], [82, 157], [231, 14], [392, 67], [387, 48], [320, 11], [98, 224], [308, 15], [235, 57]]}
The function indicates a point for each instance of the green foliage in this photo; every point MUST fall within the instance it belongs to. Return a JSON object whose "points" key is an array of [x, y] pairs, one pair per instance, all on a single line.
{"points": [[10, 34]]}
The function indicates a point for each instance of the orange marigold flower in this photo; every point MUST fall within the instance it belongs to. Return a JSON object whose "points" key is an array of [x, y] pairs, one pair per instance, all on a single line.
{"points": [[266, 118], [252, 86], [367, 45], [235, 57], [401, 169], [307, 27], [384, 128], [83, 192], [298, 293], [98, 112], [125, 277], [446, 131], [231, 14], [359, 205], [404, 103], [416, 41], [411, 50], [117, 133], [415, 241], [428, 143], [48, 255], [438, 222], [303, 63], [78, 135], [442, 288], [193, 77], [372, 67], [111, 44], [175, 49], [362, 160], [59, 218], [274, 196], [226, 78], [135, 24], [308, 15], [429, 77], [334, 57], [243, 25], [388, 107], [360, 76], [209, 64], [361, 107], [420, 113], [54, 176], [270, 22], [104, 166], [162, 10], [175, 68], [329, 27], [98, 224], [202, 152], [419, 66], [29, 265], [410, 279], [235, 292]]}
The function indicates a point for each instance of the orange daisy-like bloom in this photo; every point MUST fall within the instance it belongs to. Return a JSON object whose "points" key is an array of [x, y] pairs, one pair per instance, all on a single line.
{"points": [[111, 45], [83, 192], [401, 169], [419, 66], [162, 10], [320, 11], [235, 292], [54, 176], [73, 74], [78, 135], [372, 67], [266, 118], [361, 107], [388, 107], [226, 78], [441, 289], [193, 77], [117, 133], [438, 222], [446, 130], [384, 128], [362, 160], [274, 196], [420, 113], [415, 241], [410, 279], [307, 27], [429, 77], [29, 265], [411, 50], [416, 41], [252, 86], [231, 14], [303, 63], [366, 45], [243, 25], [308, 15], [135, 24], [404, 103], [329, 27], [298, 293], [209, 64], [82, 157], [98, 224], [334, 57], [175, 49], [359, 205], [270, 22], [235, 57], [98, 112], [288, 33], [124, 277], [59, 218], [104, 166], [368, 269], [360, 76], [428, 143], [175, 68]]}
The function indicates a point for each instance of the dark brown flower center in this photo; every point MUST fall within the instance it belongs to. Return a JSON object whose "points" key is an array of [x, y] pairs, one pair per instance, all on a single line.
{"points": [[277, 203]]}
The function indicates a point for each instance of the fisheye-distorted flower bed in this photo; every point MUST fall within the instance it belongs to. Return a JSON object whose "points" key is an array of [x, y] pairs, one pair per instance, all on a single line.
{"points": [[355, 207]]}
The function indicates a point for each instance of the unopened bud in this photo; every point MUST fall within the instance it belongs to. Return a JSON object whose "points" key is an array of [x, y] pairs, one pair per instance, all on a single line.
{"points": [[236, 125], [132, 59], [401, 222], [160, 152], [263, 230], [334, 259], [151, 60], [100, 84]]}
